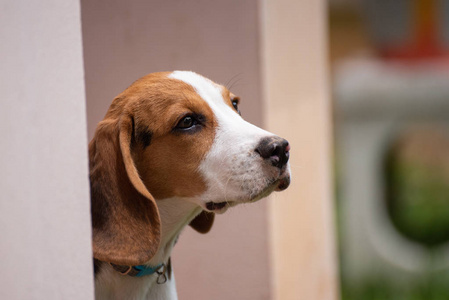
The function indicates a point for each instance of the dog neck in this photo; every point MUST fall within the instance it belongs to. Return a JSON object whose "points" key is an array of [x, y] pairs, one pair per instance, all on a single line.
{"points": [[175, 214]]}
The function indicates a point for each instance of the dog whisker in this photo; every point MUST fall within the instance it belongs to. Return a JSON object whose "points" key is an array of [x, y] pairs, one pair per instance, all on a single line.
{"points": [[234, 78]]}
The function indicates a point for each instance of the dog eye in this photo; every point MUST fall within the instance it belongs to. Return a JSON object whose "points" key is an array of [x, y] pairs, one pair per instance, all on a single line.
{"points": [[186, 122], [235, 103]]}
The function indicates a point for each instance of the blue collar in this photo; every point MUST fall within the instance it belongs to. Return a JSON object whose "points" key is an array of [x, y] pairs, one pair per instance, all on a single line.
{"points": [[143, 270]]}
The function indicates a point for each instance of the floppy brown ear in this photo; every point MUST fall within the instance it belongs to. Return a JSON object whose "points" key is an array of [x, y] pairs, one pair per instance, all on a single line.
{"points": [[203, 222], [125, 219]]}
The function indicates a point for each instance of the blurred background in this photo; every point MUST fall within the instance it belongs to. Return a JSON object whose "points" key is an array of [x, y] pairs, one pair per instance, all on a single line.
{"points": [[390, 75], [358, 87]]}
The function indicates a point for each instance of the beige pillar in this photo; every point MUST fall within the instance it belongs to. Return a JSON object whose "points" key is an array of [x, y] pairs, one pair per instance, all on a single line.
{"points": [[297, 107]]}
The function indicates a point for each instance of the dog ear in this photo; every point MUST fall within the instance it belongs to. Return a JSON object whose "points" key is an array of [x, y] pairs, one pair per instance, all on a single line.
{"points": [[125, 219], [203, 222]]}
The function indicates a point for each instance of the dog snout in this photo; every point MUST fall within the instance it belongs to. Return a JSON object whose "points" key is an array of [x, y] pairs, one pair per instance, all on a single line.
{"points": [[275, 150]]}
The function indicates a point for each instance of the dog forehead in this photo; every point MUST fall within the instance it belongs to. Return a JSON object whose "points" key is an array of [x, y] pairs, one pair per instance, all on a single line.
{"points": [[159, 95], [208, 90]]}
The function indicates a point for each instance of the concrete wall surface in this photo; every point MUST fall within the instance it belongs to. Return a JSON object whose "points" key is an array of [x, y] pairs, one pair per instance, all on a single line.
{"points": [[45, 247]]}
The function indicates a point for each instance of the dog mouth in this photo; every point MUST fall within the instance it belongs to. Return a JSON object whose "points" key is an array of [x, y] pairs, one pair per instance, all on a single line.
{"points": [[216, 206], [220, 207]]}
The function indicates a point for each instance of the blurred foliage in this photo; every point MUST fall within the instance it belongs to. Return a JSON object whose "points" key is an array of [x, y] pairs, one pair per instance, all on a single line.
{"points": [[416, 174], [418, 200]]}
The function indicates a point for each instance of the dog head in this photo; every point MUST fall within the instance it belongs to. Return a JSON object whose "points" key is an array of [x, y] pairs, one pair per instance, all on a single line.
{"points": [[174, 135]]}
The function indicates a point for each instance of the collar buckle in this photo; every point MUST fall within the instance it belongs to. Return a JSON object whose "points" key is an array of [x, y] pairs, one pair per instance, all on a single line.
{"points": [[162, 277]]}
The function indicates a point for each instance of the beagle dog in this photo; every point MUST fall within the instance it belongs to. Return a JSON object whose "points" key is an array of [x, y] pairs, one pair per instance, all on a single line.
{"points": [[172, 150]]}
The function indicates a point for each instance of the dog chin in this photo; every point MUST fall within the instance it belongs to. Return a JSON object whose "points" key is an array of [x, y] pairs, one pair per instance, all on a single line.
{"points": [[221, 207]]}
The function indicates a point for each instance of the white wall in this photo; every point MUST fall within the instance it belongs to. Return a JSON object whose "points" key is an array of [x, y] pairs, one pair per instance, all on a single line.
{"points": [[45, 250]]}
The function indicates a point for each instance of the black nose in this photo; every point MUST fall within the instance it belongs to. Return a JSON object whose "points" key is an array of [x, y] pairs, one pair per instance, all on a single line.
{"points": [[275, 150]]}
